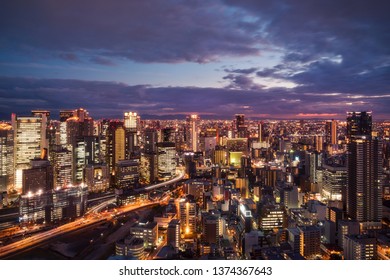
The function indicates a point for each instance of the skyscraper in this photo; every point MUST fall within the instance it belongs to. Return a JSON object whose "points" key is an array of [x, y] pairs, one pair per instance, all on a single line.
{"points": [[80, 125], [131, 128], [115, 144], [364, 182], [6, 157], [62, 165], [240, 128], [359, 123], [331, 132], [166, 160], [150, 141], [29, 140], [188, 216], [86, 151], [192, 132], [64, 115]]}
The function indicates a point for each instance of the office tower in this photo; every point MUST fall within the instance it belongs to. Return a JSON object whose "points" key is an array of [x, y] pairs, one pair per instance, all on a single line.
{"points": [[331, 132], [148, 168], [187, 211], [364, 182], [131, 129], [64, 115], [173, 234], [314, 163], [104, 124], [115, 144], [29, 140], [80, 125], [38, 178], [127, 173], [241, 130], [359, 123], [334, 178], [310, 237], [150, 141], [166, 160], [85, 151], [62, 166], [192, 135], [6, 158], [97, 177], [360, 247]]}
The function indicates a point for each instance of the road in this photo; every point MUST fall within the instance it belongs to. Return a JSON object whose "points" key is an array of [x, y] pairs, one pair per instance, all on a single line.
{"points": [[69, 227], [90, 218], [163, 184]]}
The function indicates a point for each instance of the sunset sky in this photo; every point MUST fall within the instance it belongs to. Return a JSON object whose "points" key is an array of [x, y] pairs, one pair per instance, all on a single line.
{"points": [[166, 59]]}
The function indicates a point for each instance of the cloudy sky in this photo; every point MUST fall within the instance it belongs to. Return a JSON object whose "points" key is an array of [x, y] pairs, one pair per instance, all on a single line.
{"points": [[266, 59]]}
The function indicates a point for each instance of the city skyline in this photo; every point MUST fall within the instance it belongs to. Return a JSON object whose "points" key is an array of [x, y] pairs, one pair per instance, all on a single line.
{"points": [[267, 60]]}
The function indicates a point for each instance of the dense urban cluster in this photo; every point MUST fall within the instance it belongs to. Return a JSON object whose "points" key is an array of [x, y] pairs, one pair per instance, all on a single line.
{"points": [[245, 189]]}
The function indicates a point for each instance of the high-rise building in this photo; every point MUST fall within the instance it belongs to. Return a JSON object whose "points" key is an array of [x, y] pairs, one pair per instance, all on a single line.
{"points": [[319, 143], [115, 144], [150, 141], [192, 134], [360, 247], [240, 128], [62, 165], [127, 173], [6, 158], [148, 168], [331, 132], [166, 160], [29, 140], [310, 237], [359, 123], [80, 125], [38, 178], [187, 211], [85, 151], [131, 129], [64, 115], [334, 178], [97, 177], [364, 182], [212, 224], [173, 233], [260, 132]]}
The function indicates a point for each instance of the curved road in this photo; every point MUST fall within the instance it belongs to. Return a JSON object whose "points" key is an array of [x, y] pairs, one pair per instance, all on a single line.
{"points": [[84, 221]]}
